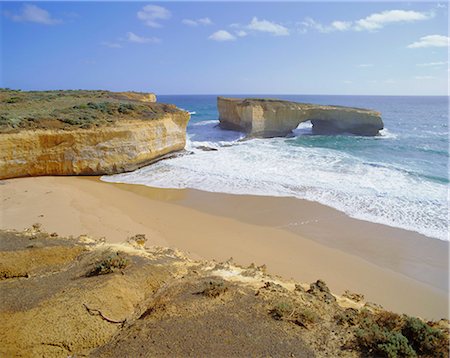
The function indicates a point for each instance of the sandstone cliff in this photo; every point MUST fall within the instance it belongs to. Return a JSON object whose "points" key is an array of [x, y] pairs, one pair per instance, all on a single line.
{"points": [[106, 150], [272, 118], [85, 132]]}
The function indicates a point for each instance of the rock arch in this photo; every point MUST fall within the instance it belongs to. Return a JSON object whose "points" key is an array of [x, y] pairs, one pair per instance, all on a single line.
{"points": [[274, 118]]}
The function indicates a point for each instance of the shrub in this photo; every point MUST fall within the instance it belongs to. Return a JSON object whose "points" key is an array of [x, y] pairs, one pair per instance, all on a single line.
{"points": [[391, 335], [214, 289], [281, 310], [424, 338], [287, 311], [347, 317], [305, 317], [108, 265], [380, 341], [13, 100], [125, 108]]}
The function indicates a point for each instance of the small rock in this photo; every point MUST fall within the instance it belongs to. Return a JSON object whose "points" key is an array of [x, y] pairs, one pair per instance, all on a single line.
{"points": [[373, 306], [321, 290], [35, 245], [357, 297], [138, 240], [274, 287], [37, 226], [207, 149]]}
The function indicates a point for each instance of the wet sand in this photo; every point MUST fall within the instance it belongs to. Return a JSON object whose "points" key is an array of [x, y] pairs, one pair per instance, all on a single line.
{"points": [[401, 270]]}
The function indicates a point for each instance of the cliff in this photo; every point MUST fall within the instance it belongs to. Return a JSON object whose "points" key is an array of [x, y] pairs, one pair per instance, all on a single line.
{"points": [[83, 297], [272, 118], [86, 133]]}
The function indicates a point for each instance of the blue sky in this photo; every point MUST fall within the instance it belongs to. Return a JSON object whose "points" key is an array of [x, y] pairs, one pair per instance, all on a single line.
{"points": [[224, 48]]}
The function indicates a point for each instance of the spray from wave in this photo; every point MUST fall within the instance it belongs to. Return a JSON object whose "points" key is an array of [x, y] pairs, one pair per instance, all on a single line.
{"points": [[361, 188]]}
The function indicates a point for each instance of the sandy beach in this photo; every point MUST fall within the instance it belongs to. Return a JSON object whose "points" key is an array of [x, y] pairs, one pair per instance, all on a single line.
{"points": [[401, 270]]}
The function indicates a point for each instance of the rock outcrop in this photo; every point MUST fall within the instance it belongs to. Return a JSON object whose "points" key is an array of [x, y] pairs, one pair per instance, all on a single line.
{"points": [[137, 96], [85, 132], [82, 297], [123, 147], [273, 118]]}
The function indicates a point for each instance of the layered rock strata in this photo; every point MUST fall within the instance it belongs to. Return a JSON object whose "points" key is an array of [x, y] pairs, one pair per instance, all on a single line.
{"points": [[85, 132], [273, 118], [126, 146]]}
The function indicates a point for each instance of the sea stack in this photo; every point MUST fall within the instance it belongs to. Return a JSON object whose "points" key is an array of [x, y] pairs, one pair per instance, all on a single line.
{"points": [[85, 132], [260, 117]]}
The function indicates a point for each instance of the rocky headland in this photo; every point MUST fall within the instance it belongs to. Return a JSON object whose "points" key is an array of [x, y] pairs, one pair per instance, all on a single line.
{"points": [[84, 297], [274, 118], [85, 132]]}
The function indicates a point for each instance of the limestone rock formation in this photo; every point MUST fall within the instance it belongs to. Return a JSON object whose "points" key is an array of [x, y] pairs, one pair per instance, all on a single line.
{"points": [[137, 96], [273, 118], [125, 146], [85, 132]]}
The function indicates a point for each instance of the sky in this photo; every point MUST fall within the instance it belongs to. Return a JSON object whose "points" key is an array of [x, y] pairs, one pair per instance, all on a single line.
{"points": [[348, 48]]}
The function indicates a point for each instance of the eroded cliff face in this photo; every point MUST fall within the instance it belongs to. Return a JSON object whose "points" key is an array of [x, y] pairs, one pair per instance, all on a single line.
{"points": [[272, 118], [137, 96], [124, 146]]}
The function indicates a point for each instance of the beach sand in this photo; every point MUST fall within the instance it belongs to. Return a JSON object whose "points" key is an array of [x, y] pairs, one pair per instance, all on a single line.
{"points": [[404, 271]]}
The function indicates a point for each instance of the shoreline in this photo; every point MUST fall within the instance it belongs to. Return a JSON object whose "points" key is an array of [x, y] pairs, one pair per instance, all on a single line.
{"points": [[401, 270], [322, 224]]}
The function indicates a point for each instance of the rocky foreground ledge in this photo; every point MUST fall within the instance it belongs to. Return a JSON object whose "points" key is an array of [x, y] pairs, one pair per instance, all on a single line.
{"points": [[85, 132], [275, 118], [83, 297]]}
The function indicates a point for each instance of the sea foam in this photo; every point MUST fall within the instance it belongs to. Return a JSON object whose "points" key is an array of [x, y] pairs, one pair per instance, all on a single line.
{"points": [[362, 188]]}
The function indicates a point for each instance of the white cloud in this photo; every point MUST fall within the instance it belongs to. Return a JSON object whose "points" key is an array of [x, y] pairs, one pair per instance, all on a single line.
{"points": [[222, 35], [431, 41], [432, 64], [341, 25], [268, 26], [347, 82], [33, 13], [132, 37], [379, 20], [203, 21], [152, 14], [424, 77], [111, 44], [189, 22], [241, 33], [372, 22], [310, 23], [365, 65]]}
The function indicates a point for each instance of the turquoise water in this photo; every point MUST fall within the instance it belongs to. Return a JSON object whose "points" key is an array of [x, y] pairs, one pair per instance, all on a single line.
{"points": [[399, 178]]}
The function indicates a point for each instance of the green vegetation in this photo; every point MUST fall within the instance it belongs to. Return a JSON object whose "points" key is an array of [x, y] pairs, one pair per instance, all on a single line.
{"points": [[74, 109], [108, 265], [425, 339], [288, 311], [214, 289], [390, 335]]}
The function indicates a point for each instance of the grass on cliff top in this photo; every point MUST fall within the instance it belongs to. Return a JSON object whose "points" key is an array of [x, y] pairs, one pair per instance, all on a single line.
{"points": [[73, 109]]}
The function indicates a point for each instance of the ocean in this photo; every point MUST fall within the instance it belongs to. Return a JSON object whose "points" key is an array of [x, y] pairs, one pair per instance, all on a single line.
{"points": [[399, 178]]}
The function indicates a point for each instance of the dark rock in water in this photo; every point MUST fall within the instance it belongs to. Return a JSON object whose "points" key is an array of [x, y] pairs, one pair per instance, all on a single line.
{"points": [[207, 149]]}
